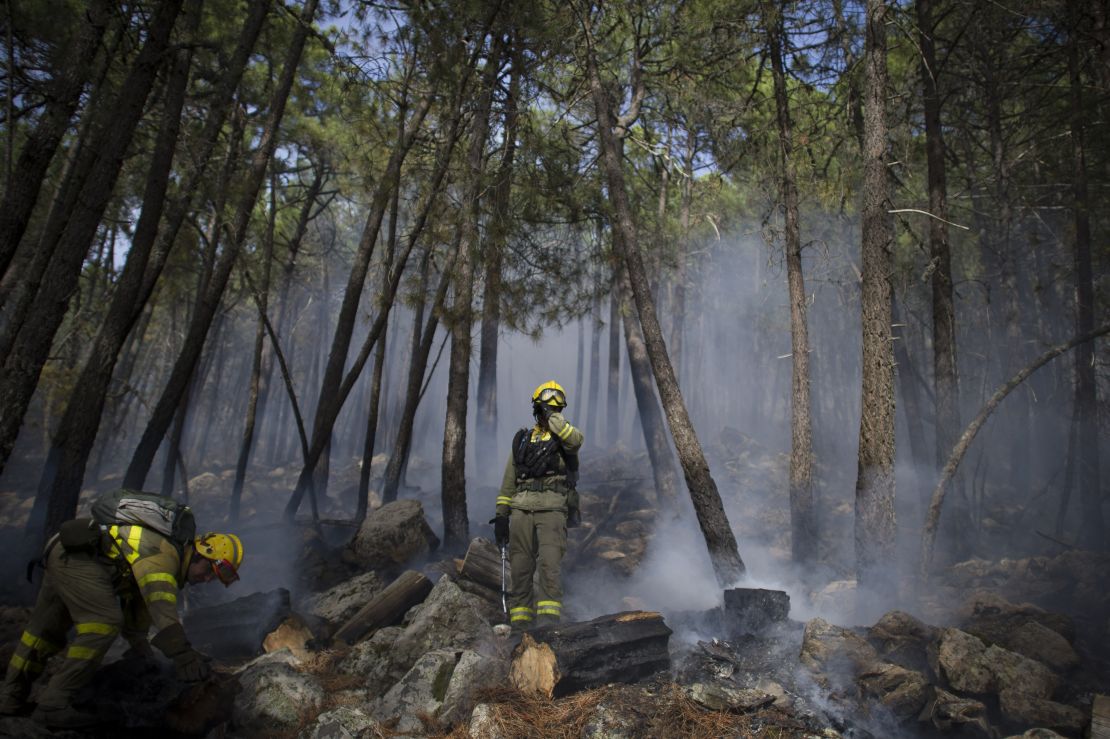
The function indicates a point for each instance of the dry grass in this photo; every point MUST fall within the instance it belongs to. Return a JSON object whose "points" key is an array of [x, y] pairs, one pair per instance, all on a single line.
{"points": [[518, 715]]}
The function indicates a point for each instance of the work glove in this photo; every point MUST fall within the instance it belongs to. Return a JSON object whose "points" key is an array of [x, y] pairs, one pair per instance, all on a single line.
{"points": [[574, 518], [501, 531], [191, 665]]}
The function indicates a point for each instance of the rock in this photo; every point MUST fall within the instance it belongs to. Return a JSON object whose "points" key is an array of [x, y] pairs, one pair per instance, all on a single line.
{"points": [[292, 634], [720, 696], [1100, 717], [838, 597], [1043, 644], [391, 536], [903, 691], [345, 722], [447, 619], [420, 692], [613, 721], [473, 672], [833, 649], [751, 610], [274, 696], [343, 601], [970, 666], [992, 618], [370, 660], [1037, 734], [1023, 709], [483, 723], [902, 639], [946, 711]]}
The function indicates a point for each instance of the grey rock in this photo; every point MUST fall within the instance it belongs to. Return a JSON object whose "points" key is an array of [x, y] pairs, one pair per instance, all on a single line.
{"points": [[345, 722], [829, 649], [274, 696], [420, 691], [946, 712], [448, 619], [993, 618], [1023, 709], [473, 672], [483, 723], [391, 536], [1041, 643], [970, 666], [902, 639], [610, 722], [341, 602], [719, 696], [371, 660], [903, 691]]}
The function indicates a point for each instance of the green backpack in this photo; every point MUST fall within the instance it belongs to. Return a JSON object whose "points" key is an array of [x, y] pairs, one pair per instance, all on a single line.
{"points": [[165, 515]]}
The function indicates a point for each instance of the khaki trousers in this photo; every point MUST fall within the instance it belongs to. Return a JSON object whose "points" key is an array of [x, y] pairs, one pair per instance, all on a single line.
{"points": [[537, 543]]}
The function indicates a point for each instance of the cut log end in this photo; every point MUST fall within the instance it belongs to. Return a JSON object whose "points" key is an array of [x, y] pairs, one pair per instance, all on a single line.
{"points": [[534, 669]]}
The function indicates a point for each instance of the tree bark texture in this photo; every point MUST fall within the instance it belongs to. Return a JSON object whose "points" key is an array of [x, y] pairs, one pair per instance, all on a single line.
{"points": [[803, 511], [874, 510], [198, 329], [612, 393], [114, 130], [723, 552]]}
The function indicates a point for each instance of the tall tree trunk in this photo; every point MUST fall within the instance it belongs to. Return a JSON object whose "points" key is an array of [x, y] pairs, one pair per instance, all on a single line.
{"points": [[26, 181], [678, 317], [1086, 389], [183, 368], [34, 337], [875, 525], [723, 553], [651, 417], [803, 513], [254, 386], [612, 393], [64, 471], [595, 365], [945, 368]]}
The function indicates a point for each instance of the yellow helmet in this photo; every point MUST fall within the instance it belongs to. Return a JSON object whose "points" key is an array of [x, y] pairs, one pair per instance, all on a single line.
{"points": [[225, 551], [550, 393]]}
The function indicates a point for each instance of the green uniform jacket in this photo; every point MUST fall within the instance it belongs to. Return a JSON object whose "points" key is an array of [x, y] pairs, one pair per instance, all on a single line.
{"points": [[545, 493], [156, 570]]}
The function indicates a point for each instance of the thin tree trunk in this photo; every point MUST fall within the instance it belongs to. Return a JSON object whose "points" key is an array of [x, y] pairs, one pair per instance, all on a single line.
{"points": [[803, 513], [928, 537], [723, 553], [198, 329], [33, 338], [1093, 533], [595, 365], [612, 393], [678, 318], [26, 181], [651, 417], [875, 525]]}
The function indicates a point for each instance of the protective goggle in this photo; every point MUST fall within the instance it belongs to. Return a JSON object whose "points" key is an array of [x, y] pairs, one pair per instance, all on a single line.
{"points": [[548, 394], [225, 571]]}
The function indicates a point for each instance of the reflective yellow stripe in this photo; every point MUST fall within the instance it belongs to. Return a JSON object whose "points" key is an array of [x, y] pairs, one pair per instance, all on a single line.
{"points": [[79, 652], [25, 665], [504, 499], [520, 609], [549, 612], [171, 597], [38, 643], [542, 603], [133, 540], [157, 577], [90, 627], [521, 617]]}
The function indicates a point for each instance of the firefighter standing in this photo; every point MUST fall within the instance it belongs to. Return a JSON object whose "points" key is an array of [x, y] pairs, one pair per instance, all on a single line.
{"points": [[536, 504], [126, 584]]}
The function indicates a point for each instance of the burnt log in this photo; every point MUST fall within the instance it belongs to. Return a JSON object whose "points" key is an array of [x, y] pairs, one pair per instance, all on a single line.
{"points": [[482, 565], [387, 607], [236, 629], [752, 610], [557, 660]]}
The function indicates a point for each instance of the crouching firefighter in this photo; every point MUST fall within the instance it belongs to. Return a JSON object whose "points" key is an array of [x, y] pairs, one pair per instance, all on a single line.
{"points": [[116, 573], [536, 504]]}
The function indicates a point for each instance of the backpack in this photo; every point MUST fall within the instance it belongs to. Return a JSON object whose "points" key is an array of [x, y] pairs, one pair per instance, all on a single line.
{"points": [[165, 515]]}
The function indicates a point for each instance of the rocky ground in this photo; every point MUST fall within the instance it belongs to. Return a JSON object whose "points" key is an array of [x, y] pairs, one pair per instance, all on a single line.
{"points": [[375, 633]]}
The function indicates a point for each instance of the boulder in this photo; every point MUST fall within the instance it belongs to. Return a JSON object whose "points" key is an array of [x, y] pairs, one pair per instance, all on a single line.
{"points": [[483, 723], [838, 597], [370, 660], [992, 618], [902, 639], [274, 696], [341, 602], [1043, 644], [903, 691], [946, 712], [391, 536], [1026, 710], [970, 666], [345, 722], [473, 672], [447, 619], [832, 649], [420, 692], [721, 696]]}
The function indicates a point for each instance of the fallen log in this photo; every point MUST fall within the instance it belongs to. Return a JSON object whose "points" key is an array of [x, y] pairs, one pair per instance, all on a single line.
{"points": [[235, 630], [387, 607], [482, 565], [557, 660]]}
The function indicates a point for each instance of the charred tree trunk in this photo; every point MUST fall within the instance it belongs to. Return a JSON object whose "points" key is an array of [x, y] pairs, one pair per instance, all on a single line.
{"points": [[612, 393], [456, 525], [874, 514], [183, 368], [651, 417], [721, 542], [115, 128], [803, 513], [1086, 389], [25, 182]]}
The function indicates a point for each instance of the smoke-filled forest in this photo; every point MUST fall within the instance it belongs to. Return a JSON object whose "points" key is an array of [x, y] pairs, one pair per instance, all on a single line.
{"points": [[824, 282]]}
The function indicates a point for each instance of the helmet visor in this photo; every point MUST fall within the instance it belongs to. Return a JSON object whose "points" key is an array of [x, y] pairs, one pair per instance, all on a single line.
{"points": [[553, 396], [225, 571]]}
